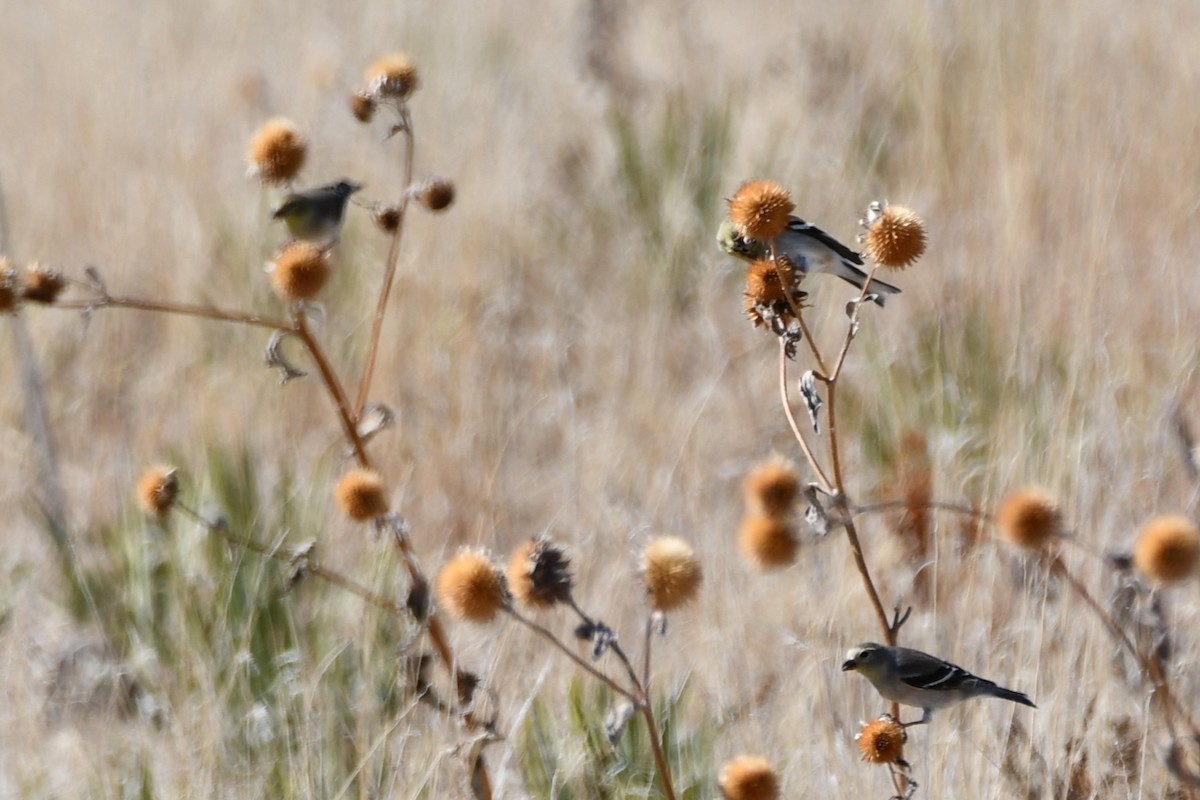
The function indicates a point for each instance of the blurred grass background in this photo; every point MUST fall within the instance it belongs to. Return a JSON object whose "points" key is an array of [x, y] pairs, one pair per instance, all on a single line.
{"points": [[567, 355]]}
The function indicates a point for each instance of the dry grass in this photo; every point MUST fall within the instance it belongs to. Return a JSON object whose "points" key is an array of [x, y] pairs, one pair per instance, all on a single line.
{"points": [[567, 354]]}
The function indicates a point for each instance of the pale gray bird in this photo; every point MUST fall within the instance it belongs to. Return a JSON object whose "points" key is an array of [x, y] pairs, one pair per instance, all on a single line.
{"points": [[808, 249], [912, 678]]}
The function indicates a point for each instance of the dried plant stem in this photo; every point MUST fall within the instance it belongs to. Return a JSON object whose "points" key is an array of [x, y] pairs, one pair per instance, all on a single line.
{"points": [[183, 309], [787, 410], [334, 387], [389, 274], [558, 644], [311, 567], [660, 761], [1170, 705], [934, 505]]}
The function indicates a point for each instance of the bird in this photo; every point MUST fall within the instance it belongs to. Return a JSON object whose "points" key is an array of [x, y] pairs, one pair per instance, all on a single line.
{"points": [[316, 215], [808, 249], [917, 679]]}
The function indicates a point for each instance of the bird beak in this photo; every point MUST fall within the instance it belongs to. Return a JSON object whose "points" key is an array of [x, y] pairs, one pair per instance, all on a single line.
{"points": [[847, 665]]}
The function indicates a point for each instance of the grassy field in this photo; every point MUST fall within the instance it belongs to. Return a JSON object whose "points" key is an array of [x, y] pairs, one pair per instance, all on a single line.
{"points": [[567, 354]]}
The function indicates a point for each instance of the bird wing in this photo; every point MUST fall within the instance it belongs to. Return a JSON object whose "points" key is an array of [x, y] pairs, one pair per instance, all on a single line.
{"points": [[797, 225], [933, 673]]}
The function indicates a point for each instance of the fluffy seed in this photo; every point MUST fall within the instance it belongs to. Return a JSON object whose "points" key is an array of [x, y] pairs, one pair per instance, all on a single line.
{"points": [[1029, 518], [392, 76], [1167, 549], [770, 487], [359, 494], [42, 285], [470, 587], [362, 106], [760, 209], [748, 778], [670, 573], [277, 151], [767, 542], [881, 741], [436, 194], [299, 271], [896, 238], [157, 489]]}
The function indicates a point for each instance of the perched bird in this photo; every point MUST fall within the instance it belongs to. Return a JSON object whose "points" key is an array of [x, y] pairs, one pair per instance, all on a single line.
{"points": [[917, 679], [808, 249], [316, 215]]}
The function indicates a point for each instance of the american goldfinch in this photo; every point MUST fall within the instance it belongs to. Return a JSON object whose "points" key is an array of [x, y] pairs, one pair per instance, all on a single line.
{"points": [[316, 215], [917, 679], [808, 249]]}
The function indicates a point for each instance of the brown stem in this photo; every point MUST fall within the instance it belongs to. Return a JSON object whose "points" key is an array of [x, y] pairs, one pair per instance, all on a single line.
{"points": [[334, 387], [660, 761], [888, 505], [286, 556], [183, 309], [1170, 705], [389, 274], [787, 410], [581, 663]]}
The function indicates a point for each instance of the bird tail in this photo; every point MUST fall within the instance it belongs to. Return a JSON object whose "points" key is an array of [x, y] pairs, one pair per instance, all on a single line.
{"points": [[1009, 694], [856, 276]]}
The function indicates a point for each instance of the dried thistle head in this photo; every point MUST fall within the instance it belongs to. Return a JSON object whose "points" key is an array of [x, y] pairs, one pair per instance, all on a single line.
{"points": [[10, 287], [387, 218], [881, 741], [1167, 549], [299, 271], [748, 778], [767, 542], [42, 284], [277, 152], [470, 587], [760, 209], [770, 487], [1029, 518], [362, 106], [359, 494], [539, 574], [157, 489], [436, 194], [392, 77], [670, 573], [895, 235], [768, 287]]}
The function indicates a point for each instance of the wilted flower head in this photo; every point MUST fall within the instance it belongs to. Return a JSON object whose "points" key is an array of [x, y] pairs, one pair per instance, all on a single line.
{"points": [[393, 77], [1029, 518], [299, 271], [768, 286], [767, 542], [436, 194], [362, 106], [9, 287], [277, 152], [387, 218], [1167, 548], [670, 573], [539, 574], [42, 284], [770, 487], [470, 587], [895, 235], [881, 741], [157, 489], [760, 209], [748, 778], [359, 494]]}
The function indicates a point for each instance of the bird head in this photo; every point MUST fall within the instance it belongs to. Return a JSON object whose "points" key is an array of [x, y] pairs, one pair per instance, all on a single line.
{"points": [[345, 188], [733, 243], [868, 658]]}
